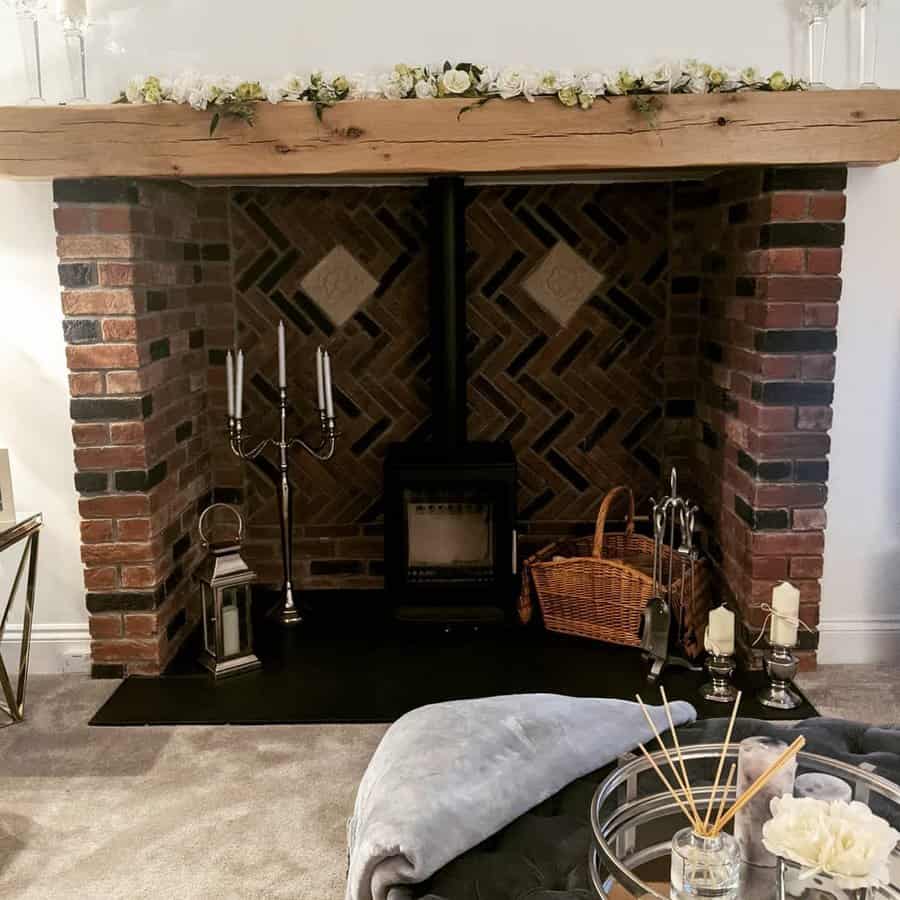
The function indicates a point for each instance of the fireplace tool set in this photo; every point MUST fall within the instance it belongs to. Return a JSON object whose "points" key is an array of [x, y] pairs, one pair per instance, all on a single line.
{"points": [[287, 612], [664, 626]]}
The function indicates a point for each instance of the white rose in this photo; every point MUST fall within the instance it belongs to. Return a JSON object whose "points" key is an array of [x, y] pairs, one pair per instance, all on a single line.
{"points": [[547, 83], [274, 92], [565, 78], [359, 86], [391, 88], [456, 81], [486, 82], [425, 88], [510, 83], [611, 84], [593, 83], [198, 99], [295, 86], [658, 80], [134, 90]]}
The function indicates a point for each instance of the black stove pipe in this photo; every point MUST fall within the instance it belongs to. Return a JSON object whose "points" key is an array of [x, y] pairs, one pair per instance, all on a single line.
{"points": [[447, 299]]}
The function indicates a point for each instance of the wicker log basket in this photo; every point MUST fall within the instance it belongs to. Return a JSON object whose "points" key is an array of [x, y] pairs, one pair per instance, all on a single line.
{"points": [[597, 587]]}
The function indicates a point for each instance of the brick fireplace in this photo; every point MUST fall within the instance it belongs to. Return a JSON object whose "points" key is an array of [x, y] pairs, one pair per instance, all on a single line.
{"points": [[613, 329]]}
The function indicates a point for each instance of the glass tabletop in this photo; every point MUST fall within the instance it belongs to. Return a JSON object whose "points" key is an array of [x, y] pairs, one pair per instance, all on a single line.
{"points": [[633, 818]]}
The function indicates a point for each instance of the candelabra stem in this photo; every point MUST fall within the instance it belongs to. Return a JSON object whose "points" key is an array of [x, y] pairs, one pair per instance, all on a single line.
{"points": [[286, 612]]}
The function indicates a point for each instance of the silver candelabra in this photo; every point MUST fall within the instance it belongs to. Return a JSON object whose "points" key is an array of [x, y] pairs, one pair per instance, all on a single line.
{"points": [[287, 612]]}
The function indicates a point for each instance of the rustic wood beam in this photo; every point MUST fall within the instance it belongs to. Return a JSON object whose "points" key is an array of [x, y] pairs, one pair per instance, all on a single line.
{"points": [[389, 138]]}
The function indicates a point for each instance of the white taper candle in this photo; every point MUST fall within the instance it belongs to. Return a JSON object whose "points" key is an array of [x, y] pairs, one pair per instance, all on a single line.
{"points": [[239, 389], [229, 375], [282, 363], [329, 399], [320, 383]]}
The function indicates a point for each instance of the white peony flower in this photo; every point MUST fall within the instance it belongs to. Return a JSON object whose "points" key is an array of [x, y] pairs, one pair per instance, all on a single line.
{"points": [[846, 841], [425, 89], [295, 86], [658, 79], [456, 81], [391, 87], [510, 83]]}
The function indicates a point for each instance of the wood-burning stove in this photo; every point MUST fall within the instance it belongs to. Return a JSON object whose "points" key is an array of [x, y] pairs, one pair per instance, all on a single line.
{"points": [[450, 504]]}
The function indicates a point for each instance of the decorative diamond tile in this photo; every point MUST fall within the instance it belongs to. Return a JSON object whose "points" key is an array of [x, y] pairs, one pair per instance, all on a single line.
{"points": [[339, 285], [562, 282]]}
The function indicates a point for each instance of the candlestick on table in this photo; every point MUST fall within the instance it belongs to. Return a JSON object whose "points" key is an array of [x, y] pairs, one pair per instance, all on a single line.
{"points": [[282, 362], [720, 633], [719, 643], [229, 376], [785, 613], [287, 612]]}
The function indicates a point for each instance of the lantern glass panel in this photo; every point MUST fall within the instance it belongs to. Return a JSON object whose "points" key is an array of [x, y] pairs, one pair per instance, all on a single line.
{"points": [[235, 636], [209, 618]]}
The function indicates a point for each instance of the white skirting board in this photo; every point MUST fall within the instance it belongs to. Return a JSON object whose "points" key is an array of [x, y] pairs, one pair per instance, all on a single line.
{"points": [[54, 648], [859, 640]]}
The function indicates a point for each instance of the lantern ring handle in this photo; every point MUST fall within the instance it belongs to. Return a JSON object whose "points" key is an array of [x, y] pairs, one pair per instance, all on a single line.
{"points": [[210, 508]]}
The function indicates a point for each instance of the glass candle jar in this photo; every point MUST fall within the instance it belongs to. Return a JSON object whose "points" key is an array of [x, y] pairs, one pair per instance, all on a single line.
{"points": [[705, 867], [754, 757]]}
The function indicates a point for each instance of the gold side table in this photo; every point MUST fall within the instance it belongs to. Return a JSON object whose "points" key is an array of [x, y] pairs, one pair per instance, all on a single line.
{"points": [[25, 531]]}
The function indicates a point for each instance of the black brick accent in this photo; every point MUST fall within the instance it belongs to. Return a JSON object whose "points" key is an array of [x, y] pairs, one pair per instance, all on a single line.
{"points": [[124, 601], [814, 470], [680, 409], [181, 546], [802, 234], [196, 338], [769, 470], [761, 519], [95, 190], [336, 567], [800, 341], [805, 178], [710, 437], [793, 393], [110, 409], [176, 623], [216, 252], [173, 580], [216, 356], [191, 252], [159, 349], [140, 480], [183, 431], [744, 286], [157, 301], [107, 670], [81, 331], [738, 213], [77, 275], [712, 351], [91, 482], [685, 284]]}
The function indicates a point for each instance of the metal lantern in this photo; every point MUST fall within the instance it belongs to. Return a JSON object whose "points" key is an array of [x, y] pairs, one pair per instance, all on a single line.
{"points": [[225, 581]]}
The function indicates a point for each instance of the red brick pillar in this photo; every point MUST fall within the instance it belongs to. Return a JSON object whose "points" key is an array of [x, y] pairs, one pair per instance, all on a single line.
{"points": [[770, 263], [138, 269]]}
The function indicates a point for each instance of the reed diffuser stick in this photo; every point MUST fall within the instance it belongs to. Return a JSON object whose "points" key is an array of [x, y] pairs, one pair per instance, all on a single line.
{"points": [[695, 818], [675, 740], [725, 744], [668, 786], [728, 781], [757, 785]]}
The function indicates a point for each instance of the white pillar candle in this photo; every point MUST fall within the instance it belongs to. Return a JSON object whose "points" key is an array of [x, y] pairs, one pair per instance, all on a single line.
{"points": [[229, 376], [73, 9], [320, 379], [720, 633], [282, 363], [231, 630], [329, 399], [239, 389], [786, 610]]}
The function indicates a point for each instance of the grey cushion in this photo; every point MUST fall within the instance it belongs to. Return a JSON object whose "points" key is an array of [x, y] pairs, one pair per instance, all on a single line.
{"points": [[543, 854]]}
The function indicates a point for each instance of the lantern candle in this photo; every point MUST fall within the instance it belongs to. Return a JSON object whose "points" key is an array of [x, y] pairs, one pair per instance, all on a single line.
{"points": [[329, 399], [785, 612], [239, 390], [231, 630], [320, 378]]}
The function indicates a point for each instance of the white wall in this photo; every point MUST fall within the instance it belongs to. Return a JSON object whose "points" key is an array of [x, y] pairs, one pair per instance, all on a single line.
{"points": [[863, 548]]}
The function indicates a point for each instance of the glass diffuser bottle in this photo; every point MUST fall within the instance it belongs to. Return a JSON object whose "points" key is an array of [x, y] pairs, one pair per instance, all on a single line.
{"points": [[74, 18], [705, 867]]}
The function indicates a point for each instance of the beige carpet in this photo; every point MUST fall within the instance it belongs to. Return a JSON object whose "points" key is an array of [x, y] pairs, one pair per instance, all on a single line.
{"points": [[215, 812]]}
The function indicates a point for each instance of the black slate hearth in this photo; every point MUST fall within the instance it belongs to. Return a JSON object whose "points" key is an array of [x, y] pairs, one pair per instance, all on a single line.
{"points": [[353, 663]]}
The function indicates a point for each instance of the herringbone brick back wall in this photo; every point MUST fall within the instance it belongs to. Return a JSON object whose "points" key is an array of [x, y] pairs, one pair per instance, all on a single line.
{"points": [[574, 381]]}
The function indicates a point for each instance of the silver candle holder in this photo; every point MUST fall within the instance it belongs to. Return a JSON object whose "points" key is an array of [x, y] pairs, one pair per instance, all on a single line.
{"points": [[781, 667], [287, 612], [719, 688]]}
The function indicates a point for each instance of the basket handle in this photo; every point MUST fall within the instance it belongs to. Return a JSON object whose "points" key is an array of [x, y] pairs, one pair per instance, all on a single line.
{"points": [[605, 507]]}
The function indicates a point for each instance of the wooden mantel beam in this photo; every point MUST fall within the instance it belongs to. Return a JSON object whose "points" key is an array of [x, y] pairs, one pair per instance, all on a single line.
{"points": [[407, 137]]}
